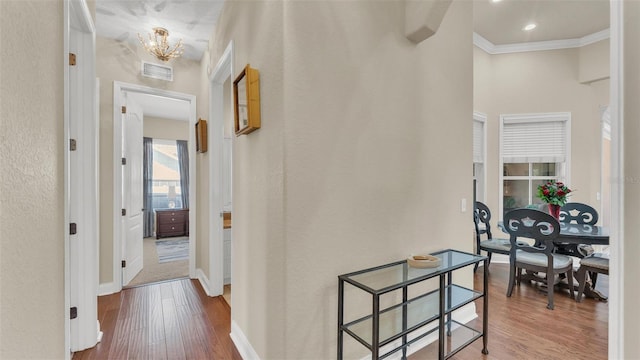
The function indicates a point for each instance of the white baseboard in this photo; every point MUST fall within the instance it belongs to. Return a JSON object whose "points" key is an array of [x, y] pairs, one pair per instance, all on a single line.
{"points": [[107, 288], [204, 281], [462, 315], [242, 343], [100, 333]]}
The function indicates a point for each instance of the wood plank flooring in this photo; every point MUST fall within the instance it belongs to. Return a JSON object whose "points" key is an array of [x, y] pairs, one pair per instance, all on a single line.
{"points": [[176, 320], [521, 327], [169, 320]]}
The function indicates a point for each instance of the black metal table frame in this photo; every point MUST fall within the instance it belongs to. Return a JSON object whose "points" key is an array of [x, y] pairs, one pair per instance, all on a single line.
{"points": [[445, 283]]}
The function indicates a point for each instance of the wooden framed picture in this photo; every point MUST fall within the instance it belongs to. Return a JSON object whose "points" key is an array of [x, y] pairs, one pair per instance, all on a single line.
{"points": [[246, 97], [201, 136]]}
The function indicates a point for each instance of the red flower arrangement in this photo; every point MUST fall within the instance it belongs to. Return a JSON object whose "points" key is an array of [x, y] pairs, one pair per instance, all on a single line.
{"points": [[554, 193]]}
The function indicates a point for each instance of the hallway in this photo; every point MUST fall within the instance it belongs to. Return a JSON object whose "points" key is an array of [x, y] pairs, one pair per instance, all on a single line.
{"points": [[168, 320]]}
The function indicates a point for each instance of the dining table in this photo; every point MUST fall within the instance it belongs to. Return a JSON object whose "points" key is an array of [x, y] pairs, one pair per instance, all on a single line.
{"points": [[570, 242]]}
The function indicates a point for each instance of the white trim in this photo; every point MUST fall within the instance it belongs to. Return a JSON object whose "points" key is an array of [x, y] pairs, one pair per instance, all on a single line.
{"points": [[616, 248], [492, 49], [247, 352], [482, 117], [67, 291], [222, 71], [109, 288], [81, 188], [204, 281], [119, 89]]}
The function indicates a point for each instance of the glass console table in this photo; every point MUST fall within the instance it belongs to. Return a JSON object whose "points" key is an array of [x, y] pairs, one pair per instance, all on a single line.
{"points": [[398, 326]]}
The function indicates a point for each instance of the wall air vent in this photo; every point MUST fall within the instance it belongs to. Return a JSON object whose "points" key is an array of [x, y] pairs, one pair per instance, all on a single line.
{"points": [[157, 71]]}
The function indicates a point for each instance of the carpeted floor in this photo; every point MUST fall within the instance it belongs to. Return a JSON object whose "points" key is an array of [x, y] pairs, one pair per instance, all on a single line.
{"points": [[153, 270]]}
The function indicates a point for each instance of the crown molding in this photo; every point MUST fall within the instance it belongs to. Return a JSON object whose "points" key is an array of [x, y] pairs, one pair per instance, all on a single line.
{"points": [[492, 49]]}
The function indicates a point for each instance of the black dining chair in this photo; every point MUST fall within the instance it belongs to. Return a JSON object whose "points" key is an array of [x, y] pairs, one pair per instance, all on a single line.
{"points": [[540, 258], [581, 214], [482, 219], [594, 264]]}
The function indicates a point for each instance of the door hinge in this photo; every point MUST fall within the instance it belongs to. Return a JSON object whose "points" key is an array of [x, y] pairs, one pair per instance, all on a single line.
{"points": [[124, 161], [124, 263], [72, 59], [124, 109], [73, 313], [124, 212], [72, 144], [73, 229]]}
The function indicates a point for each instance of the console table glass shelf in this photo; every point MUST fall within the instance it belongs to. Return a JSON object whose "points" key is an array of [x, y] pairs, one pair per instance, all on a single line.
{"points": [[397, 323]]}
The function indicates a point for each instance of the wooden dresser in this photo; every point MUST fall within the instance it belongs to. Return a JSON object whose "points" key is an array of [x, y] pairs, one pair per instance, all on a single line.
{"points": [[172, 222]]}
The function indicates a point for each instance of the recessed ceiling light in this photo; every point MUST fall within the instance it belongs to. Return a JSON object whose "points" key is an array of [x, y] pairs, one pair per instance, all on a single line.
{"points": [[529, 27], [495, 1]]}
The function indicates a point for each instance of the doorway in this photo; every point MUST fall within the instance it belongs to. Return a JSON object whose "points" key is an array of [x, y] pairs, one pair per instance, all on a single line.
{"points": [[142, 95], [165, 246]]}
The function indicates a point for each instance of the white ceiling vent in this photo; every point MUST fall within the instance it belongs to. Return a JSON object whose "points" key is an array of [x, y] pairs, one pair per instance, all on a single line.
{"points": [[157, 71]]}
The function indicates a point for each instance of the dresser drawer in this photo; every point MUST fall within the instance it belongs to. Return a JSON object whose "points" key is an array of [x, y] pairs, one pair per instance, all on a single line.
{"points": [[172, 223], [167, 229], [166, 218]]}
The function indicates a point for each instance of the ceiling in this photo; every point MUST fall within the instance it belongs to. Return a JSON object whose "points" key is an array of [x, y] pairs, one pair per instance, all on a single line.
{"points": [[501, 22], [193, 21]]}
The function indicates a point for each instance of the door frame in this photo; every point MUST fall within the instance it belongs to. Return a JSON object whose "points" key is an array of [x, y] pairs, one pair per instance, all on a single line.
{"points": [[224, 70], [119, 89], [80, 168]]}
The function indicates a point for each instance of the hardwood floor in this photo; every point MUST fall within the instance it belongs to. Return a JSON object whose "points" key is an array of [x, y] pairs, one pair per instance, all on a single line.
{"points": [[176, 320], [169, 320], [521, 327]]}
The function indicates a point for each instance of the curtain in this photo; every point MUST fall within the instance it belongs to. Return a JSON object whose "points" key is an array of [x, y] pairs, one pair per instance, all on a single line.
{"points": [[183, 164], [147, 189]]}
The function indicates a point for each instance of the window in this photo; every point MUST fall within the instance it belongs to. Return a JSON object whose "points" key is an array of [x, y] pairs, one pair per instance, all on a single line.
{"points": [[479, 154], [166, 175], [535, 149]]}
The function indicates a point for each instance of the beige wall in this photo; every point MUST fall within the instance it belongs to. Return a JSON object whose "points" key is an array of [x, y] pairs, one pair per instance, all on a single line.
{"points": [[537, 82], [593, 62], [116, 61], [169, 129], [258, 299], [631, 113], [32, 148], [347, 105]]}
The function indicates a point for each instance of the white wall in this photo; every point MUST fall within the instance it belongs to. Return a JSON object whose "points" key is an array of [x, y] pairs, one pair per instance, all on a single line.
{"points": [[32, 149], [347, 170]]}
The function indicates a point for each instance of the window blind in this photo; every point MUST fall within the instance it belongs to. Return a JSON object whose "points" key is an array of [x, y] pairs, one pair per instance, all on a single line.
{"points": [[534, 140], [478, 141]]}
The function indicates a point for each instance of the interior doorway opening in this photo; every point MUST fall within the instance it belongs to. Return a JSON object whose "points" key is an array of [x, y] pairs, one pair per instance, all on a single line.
{"points": [[148, 99], [166, 204]]}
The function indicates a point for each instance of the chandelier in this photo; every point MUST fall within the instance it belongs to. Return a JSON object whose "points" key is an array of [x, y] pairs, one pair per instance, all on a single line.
{"points": [[159, 46]]}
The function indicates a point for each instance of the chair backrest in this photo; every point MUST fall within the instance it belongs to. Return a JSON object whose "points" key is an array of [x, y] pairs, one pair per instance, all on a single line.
{"points": [[578, 213], [532, 224], [482, 215]]}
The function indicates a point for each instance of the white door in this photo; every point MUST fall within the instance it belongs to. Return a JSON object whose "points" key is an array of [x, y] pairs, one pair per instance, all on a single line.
{"points": [[132, 203]]}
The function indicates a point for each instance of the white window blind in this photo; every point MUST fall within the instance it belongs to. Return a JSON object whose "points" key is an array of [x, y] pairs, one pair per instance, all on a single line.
{"points": [[534, 140], [478, 141]]}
